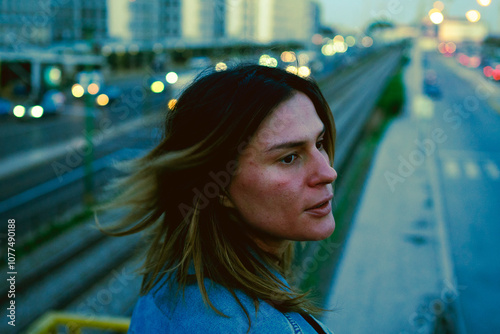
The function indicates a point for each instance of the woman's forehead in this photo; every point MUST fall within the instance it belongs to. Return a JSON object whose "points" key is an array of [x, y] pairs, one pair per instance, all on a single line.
{"points": [[293, 120]]}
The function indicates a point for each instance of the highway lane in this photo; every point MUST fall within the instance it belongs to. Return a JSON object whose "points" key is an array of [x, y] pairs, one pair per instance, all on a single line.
{"points": [[22, 135], [468, 170]]}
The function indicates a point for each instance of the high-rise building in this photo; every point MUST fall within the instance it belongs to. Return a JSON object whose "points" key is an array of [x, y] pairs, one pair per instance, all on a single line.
{"points": [[25, 23], [203, 21], [154, 20], [76, 20], [266, 21], [42, 22]]}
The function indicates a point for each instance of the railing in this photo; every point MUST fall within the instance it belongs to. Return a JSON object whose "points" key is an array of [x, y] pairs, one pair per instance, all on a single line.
{"points": [[72, 323]]}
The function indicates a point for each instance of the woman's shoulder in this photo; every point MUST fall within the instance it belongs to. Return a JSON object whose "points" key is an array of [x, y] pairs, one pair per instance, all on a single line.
{"points": [[186, 312]]}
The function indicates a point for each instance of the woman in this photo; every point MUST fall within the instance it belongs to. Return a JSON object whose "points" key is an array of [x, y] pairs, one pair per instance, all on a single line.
{"points": [[244, 169]]}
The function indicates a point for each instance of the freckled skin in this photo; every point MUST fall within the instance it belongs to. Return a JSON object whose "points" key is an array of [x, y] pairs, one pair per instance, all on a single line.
{"points": [[273, 189]]}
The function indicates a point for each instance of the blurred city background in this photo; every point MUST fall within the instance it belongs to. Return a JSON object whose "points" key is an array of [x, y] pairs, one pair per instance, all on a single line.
{"points": [[414, 89]]}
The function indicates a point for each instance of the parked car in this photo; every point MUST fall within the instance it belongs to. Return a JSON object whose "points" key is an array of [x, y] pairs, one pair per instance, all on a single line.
{"points": [[432, 90], [431, 87]]}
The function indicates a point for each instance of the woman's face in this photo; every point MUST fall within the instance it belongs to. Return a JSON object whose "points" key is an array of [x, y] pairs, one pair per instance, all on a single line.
{"points": [[283, 185]]}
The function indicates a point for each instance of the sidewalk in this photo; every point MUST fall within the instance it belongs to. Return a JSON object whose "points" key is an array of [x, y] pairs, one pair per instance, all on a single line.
{"points": [[393, 273], [390, 270]]}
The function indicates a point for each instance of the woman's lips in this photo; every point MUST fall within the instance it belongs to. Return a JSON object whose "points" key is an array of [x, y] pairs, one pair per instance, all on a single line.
{"points": [[321, 210]]}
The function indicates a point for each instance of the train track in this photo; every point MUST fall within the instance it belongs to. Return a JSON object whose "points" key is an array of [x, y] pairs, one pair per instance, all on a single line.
{"points": [[60, 272]]}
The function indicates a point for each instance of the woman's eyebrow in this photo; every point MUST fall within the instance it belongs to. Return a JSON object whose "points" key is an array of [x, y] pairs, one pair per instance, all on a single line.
{"points": [[292, 144]]}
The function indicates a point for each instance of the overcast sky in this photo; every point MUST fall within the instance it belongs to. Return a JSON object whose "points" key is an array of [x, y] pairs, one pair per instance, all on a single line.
{"points": [[356, 13]]}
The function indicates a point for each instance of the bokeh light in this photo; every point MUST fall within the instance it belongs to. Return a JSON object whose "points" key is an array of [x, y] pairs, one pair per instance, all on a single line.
{"points": [[473, 15], [157, 48], [496, 74], [55, 75], [102, 100], [304, 71], [291, 69], [367, 41], [436, 17], [288, 56], [451, 47], [77, 90], [171, 77], [463, 59], [350, 41], [317, 39], [36, 111], [106, 50], [474, 61], [303, 59], [171, 104], [439, 5], [338, 38], [488, 71], [157, 87], [93, 89], [484, 3], [267, 60], [327, 50], [220, 66], [19, 111], [340, 47]]}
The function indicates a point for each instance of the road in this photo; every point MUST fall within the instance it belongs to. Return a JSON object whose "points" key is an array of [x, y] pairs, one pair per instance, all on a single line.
{"points": [[468, 173]]}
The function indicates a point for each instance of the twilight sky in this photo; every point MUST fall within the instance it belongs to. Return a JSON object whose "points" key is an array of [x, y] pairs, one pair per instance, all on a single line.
{"points": [[356, 13]]}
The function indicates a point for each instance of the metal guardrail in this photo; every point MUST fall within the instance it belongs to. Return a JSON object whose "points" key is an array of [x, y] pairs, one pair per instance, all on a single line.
{"points": [[73, 323]]}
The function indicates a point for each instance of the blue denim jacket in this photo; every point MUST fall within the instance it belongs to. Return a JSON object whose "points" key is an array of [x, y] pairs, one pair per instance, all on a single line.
{"points": [[164, 311]]}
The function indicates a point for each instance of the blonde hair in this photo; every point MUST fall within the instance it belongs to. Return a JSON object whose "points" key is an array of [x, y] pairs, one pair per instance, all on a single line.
{"points": [[205, 132]]}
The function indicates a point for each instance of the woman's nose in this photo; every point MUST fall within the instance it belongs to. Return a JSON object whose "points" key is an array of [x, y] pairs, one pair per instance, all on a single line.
{"points": [[321, 171]]}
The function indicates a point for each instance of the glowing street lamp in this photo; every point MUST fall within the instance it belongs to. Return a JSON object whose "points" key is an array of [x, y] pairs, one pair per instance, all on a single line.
{"points": [[171, 77], [436, 16], [473, 15], [484, 3]]}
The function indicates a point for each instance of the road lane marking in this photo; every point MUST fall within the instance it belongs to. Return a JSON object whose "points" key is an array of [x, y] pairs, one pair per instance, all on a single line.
{"points": [[443, 244], [472, 170], [492, 170], [451, 169]]}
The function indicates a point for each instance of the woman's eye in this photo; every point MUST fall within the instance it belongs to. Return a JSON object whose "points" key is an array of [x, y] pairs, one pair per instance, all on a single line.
{"points": [[319, 144], [289, 159]]}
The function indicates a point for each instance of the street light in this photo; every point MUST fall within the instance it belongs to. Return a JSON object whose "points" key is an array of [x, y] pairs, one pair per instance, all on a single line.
{"points": [[473, 15], [436, 16], [484, 3], [171, 77]]}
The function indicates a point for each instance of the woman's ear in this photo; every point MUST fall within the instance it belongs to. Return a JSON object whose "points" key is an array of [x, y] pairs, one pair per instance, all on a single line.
{"points": [[226, 201]]}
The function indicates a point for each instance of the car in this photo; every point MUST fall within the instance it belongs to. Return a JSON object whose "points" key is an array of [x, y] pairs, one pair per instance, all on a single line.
{"points": [[112, 92], [432, 90], [430, 86], [5, 106], [51, 103]]}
